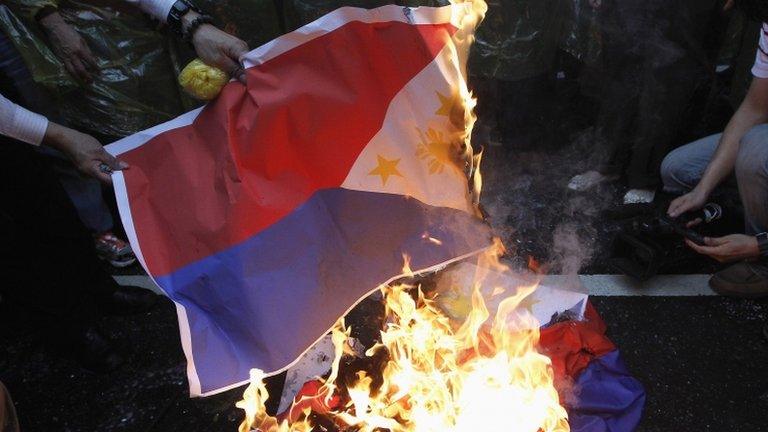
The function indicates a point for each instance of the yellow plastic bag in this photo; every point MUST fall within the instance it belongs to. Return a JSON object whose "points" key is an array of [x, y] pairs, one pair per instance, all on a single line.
{"points": [[202, 81]]}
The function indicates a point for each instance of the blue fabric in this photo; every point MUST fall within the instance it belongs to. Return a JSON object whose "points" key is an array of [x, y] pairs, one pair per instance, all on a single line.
{"points": [[262, 302], [608, 399]]}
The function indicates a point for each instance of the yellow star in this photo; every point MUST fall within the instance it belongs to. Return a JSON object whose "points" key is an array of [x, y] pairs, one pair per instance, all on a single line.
{"points": [[451, 107], [385, 169]]}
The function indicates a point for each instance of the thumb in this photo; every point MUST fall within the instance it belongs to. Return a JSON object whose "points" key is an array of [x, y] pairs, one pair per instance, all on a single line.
{"points": [[112, 162]]}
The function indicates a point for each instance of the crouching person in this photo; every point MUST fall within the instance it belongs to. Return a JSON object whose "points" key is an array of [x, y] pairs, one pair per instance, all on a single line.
{"points": [[696, 169]]}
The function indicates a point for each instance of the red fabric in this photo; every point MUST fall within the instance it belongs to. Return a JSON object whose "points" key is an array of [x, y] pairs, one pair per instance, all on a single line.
{"points": [[252, 156], [573, 344], [311, 397]]}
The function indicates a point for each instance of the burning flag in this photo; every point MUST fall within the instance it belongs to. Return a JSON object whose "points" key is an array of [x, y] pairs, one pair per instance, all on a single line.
{"points": [[344, 165], [268, 213]]}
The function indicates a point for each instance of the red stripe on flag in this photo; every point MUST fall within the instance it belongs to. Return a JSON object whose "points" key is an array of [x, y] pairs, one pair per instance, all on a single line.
{"points": [[249, 159]]}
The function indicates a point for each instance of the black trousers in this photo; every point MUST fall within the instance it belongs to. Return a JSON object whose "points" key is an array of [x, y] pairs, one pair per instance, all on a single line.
{"points": [[50, 276], [656, 55]]}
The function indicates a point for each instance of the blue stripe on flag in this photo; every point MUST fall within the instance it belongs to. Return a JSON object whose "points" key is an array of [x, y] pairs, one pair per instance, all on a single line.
{"points": [[607, 398], [263, 302]]}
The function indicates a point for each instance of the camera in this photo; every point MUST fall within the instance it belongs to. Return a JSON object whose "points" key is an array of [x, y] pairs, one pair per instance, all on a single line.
{"points": [[648, 242]]}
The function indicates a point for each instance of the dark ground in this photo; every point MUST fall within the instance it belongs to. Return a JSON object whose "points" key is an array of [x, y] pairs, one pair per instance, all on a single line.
{"points": [[702, 361]]}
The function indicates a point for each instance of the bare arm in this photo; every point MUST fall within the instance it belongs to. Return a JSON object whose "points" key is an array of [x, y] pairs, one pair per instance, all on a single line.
{"points": [[752, 112]]}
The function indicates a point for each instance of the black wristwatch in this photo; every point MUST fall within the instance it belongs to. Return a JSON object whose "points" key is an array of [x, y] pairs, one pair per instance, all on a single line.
{"points": [[762, 243], [178, 10]]}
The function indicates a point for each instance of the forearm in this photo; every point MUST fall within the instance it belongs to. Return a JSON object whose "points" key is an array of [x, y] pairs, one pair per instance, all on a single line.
{"points": [[752, 112], [21, 124]]}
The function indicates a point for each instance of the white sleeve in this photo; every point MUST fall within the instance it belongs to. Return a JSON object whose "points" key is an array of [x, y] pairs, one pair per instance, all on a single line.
{"points": [[760, 69], [157, 8], [20, 123]]}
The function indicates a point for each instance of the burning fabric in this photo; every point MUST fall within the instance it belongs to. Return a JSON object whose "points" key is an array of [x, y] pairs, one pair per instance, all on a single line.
{"points": [[269, 213], [440, 364]]}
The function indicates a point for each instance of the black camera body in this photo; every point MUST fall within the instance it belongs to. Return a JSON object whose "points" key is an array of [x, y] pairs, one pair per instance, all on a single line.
{"points": [[649, 240]]}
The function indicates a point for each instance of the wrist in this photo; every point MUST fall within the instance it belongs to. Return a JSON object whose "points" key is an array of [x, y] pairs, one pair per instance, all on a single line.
{"points": [[45, 12], [703, 188], [202, 22], [187, 19], [52, 21], [60, 137], [54, 135]]}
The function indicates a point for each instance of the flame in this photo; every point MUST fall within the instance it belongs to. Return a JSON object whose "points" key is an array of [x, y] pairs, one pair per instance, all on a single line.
{"points": [[443, 373]]}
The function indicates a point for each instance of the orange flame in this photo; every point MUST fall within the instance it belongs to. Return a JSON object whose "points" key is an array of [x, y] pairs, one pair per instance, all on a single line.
{"points": [[453, 364], [443, 375]]}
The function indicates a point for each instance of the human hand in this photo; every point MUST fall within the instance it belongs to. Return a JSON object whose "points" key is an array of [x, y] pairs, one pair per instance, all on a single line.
{"points": [[693, 200], [85, 152], [218, 48], [728, 5], [732, 247], [69, 47], [595, 4]]}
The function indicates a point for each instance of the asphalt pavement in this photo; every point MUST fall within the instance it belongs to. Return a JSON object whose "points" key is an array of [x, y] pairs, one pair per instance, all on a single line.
{"points": [[701, 358]]}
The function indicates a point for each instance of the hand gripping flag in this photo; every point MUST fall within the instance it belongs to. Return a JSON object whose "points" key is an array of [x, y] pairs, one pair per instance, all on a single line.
{"points": [[267, 214]]}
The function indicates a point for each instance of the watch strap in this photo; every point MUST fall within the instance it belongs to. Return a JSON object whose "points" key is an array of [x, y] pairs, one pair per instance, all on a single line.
{"points": [[178, 10], [762, 243], [194, 25]]}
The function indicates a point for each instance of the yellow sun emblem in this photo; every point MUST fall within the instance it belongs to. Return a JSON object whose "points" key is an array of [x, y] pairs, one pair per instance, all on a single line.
{"points": [[436, 149]]}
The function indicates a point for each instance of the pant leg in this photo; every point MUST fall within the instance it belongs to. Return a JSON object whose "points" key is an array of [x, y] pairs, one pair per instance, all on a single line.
{"points": [[84, 192], [683, 167], [675, 64], [622, 25], [752, 178], [51, 275]]}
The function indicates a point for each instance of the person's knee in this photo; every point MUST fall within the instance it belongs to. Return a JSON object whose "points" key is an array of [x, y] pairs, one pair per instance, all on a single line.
{"points": [[752, 160], [675, 175]]}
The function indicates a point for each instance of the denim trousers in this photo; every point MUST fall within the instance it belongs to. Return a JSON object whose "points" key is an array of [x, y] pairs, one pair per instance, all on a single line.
{"points": [[682, 169]]}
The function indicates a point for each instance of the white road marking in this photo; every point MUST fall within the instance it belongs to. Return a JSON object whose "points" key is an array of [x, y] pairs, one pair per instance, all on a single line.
{"points": [[596, 285], [659, 286]]}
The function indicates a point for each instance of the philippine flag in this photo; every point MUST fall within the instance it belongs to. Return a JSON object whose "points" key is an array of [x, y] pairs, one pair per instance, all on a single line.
{"points": [[268, 213]]}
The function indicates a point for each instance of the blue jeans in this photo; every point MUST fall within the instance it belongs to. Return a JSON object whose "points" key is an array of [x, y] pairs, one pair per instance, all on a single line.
{"points": [[682, 169]]}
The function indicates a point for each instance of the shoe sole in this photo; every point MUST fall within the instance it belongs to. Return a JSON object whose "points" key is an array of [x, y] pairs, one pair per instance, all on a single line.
{"points": [[734, 294], [119, 264]]}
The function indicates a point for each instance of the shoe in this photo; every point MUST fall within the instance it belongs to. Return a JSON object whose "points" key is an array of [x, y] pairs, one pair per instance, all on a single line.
{"points": [[639, 196], [747, 280], [588, 180], [116, 251], [96, 353], [128, 300]]}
